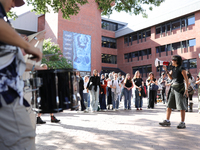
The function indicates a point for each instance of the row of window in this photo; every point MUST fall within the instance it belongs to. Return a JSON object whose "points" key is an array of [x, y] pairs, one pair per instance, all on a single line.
{"points": [[108, 42], [141, 53], [187, 64], [110, 25], [140, 35], [175, 46], [144, 70], [110, 59], [176, 24]]}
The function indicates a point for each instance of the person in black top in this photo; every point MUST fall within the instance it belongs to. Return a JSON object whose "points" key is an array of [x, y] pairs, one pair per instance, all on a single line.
{"points": [[178, 91], [94, 86], [128, 85], [151, 93], [138, 83], [81, 88]]}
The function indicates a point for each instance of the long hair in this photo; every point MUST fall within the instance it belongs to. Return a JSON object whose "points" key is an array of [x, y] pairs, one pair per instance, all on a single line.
{"points": [[135, 76], [126, 79], [178, 59], [110, 75], [189, 74], [150, 74]]}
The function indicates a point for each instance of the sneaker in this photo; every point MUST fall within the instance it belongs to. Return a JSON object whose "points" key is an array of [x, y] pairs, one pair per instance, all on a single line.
{"points": [[129, 109], [165, 123], [40, 121], [125, 108], [137, 108], [140, 108], [114, 109], [181, 125], [53, 119]]}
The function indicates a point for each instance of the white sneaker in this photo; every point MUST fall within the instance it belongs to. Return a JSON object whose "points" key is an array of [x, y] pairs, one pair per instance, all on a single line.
{"points": [[114, 109]]}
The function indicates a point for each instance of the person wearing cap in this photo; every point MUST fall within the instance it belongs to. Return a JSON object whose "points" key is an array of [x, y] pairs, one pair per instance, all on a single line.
{"points": [[17, 131], [178, 91], [161, 82]]}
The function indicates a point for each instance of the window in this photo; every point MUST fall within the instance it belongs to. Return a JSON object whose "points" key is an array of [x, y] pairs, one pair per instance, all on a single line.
{"points": [[148, 33], [169, 47], [111, 59], [176, 24], [144, 52], [162, 48], [144, 70], [193, 63], [191, 20], [190, 63], [168, 27], [149, 51], [139, 35], [192, 42], [163, 28], [134, 37], [125, 39], [143, 34], [184, 44], [108, 42], [176, 46], [110, 25], [157, 49], [125, 56], [158, 30], [183, 22]]}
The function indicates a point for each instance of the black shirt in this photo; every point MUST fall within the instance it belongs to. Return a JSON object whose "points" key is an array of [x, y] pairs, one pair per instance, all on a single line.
{"points": [[138, 81], [177, 74], [150, 80], [128, 84]]}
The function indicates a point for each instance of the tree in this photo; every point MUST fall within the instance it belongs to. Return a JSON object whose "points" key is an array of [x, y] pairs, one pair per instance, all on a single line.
{"points": [[72, 7], [53, 57]]}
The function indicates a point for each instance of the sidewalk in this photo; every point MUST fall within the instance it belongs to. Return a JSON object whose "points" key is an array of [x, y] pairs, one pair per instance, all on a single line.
{"points": [[119, 130]]}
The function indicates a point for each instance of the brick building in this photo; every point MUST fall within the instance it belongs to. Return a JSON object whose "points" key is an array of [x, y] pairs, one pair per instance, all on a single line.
{"points": [[115, 46]]}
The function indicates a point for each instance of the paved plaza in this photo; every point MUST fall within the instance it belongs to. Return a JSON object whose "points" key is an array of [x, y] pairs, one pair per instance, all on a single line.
{"points": [[119, 130]]}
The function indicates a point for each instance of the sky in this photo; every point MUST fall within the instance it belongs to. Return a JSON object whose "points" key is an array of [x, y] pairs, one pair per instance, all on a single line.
{"points": [[132, 20]]}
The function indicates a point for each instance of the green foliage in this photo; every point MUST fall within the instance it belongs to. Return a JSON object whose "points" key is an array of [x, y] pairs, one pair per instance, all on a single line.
{"points": [[12, 15], [129, 6], [53, 57], [67, 7]]}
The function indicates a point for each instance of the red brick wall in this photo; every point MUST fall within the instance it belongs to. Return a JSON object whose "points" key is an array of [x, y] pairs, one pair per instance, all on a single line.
{"points": [[41, 23], [156, 40], [88, 21]]}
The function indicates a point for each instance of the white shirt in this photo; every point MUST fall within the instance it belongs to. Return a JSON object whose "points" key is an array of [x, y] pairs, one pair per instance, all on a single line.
{"points": [[85, 87]]}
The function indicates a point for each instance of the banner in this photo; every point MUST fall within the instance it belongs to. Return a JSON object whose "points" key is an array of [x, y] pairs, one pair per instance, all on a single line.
{"points": [[77, 49]]}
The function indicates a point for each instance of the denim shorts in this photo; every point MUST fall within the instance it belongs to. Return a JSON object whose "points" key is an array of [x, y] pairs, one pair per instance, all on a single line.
{"points": [[176, 100]]}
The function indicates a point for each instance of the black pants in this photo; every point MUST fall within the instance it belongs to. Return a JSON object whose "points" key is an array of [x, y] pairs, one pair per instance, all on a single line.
{"points": [[189, 98], [82, 100], [163, 94], [151, 98]]}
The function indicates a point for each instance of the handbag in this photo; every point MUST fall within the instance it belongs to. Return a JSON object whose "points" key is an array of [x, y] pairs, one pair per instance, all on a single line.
{"points": [[153, 87], [190, 90], [143, 93]]}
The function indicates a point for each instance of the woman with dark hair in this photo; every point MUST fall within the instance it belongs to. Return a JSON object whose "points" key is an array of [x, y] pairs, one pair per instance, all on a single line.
{"points": [[102, 99], [178, 91], [108, 90], [94, 87], [138, 83], [128, 85], [191, 88], [152, 93]]}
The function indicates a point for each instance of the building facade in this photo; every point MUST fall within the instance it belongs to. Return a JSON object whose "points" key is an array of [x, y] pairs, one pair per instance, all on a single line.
{"points": [[117, 47]]}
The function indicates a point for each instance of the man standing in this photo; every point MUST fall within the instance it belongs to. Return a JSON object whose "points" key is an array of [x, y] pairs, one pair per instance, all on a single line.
{"points": [[16, 128], [161, 82]]}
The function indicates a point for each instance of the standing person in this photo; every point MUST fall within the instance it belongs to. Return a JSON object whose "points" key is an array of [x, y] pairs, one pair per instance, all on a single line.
{"points": [[53, 118], [178, 91], [168, 83], [122, 88], [115, 92], [86, 96], [16, 128], [128, 85], [161, 82], [198, 84], [138, 83], [94, 87], [191, 88], [108, 89], [102, 98], [81, 88], [151, 81]]}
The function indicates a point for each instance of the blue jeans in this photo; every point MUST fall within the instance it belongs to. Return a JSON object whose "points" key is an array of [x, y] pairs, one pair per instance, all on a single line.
{"points": [[115, 100], [102, 101], [122, 94], [138, 99], [86, 98], [128, 94]]}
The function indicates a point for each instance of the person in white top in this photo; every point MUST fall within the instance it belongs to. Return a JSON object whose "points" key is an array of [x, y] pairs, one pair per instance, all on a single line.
{"points": [[108, 89], [86, 96], [115, 92]]}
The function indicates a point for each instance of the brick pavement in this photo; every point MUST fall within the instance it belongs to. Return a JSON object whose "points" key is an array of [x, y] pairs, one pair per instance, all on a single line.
{"points": [[119, 130]]}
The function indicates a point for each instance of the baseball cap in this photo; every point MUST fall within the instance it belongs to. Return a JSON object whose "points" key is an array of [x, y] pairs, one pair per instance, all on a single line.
{"points": [[19, 3]]}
